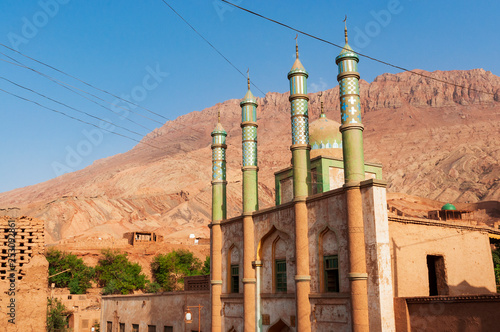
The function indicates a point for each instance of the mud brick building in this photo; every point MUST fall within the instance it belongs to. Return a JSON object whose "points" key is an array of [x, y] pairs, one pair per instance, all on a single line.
{"points": [[23, 275]]}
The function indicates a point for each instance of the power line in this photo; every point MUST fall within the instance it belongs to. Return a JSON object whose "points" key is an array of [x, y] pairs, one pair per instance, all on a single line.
{"points": [[212, 46], [77, 119], [88, 84], [66, 86], [360, 54], [70, 107]]}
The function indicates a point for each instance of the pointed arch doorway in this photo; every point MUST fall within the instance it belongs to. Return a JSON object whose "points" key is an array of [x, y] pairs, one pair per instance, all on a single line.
{"points": [[279, 326]]}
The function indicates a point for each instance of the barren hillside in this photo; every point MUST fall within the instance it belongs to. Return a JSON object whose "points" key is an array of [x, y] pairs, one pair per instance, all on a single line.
{"points": [[435, 141]]}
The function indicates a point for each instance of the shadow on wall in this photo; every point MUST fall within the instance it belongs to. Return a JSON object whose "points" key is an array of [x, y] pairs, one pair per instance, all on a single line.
{"points": [[464, 288]]}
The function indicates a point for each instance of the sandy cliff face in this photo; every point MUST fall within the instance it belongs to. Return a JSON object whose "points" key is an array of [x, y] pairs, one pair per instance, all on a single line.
{"points": [[434, 140]]}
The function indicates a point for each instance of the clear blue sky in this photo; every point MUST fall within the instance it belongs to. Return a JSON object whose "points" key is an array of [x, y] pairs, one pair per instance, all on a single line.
{"points": [[115, 44]]}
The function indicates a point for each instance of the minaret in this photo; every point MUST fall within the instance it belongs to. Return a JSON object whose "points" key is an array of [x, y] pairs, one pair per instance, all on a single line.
{"points": [[301, 188], [218, 213], [352, 138], [250, 203]]}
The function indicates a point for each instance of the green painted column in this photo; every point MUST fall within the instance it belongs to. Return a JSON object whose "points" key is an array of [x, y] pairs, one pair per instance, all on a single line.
{"points": [[219, 173], [350, 105], [300, 129], [249, 145]]}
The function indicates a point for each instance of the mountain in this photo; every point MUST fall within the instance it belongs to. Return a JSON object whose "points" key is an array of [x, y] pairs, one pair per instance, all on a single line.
{"points": [[434, 140]]}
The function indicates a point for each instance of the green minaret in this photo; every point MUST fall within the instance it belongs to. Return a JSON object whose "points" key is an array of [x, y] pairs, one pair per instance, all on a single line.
{"points": [[301, 189], [300, 128], [219, 172], [250, 204], [350, 105], [249, 142]]}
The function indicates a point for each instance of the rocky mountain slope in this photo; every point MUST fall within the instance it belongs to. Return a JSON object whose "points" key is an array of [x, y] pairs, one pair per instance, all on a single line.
{"points": [[435, 141]]}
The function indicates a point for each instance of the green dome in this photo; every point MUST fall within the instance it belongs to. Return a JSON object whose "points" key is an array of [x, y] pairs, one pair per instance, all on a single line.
{"points": [[325, 134], [449, 207]]}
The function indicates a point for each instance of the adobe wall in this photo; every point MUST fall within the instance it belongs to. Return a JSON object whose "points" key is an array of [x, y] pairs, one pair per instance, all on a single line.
{"points": [[446, 313], [161, 309], [23, 275], [85, 308], [466, 252]]}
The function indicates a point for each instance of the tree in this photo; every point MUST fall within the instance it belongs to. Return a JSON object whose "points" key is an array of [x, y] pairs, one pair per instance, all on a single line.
{"points": [[117, 274], [169, 270], [496, 265], [206, 266], [56, 316], [77, 278]]}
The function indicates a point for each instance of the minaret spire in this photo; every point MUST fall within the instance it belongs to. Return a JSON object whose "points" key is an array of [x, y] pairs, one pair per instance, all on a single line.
{"points": [[322, 114], [345, 28], [248, 78], [296, 46]]}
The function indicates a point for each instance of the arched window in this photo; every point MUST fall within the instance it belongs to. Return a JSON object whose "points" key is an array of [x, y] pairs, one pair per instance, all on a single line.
{"points": [[329, 262], [233, 271], [279, 259]]}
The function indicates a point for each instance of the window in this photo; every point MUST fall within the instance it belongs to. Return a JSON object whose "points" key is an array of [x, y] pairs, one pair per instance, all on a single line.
{"points": [[151, 328], [135, 327], [331, 264], [235, 279], [122, 327], [280, 275], [168, 329], [109, 327], [437, 275]]}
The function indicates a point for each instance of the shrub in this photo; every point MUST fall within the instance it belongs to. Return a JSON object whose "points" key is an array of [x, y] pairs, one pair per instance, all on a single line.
{"points": [[56, 316], [77, 279], [117, 274], [169, 270]]}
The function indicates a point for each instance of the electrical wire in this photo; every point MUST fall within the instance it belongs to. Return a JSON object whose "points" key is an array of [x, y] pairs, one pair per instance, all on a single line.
{"points": [[212, 46], [66, 86], [77, 119], [70, 107], [360, 54], [88, 84]]}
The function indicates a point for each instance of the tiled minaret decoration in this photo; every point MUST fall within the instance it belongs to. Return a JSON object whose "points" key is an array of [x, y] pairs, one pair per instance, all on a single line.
{"points": [[218, 213], [250, 204], [301, 188]]}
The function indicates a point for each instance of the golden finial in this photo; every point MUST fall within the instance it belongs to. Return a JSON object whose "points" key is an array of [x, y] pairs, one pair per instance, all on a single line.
{"points": [[345, 28], [248, 78], [218, 116], [296, 46], [321, 100]]}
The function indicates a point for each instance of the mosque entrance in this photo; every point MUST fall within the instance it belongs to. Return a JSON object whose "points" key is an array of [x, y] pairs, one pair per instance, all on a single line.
{"points": [[279, 326]]}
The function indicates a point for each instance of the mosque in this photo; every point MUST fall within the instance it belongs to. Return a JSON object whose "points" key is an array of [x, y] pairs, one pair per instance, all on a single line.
{"points": [[327, 257]]}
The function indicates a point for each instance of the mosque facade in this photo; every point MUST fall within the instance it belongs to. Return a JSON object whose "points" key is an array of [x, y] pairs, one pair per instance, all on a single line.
{"points": [[327, 257]]}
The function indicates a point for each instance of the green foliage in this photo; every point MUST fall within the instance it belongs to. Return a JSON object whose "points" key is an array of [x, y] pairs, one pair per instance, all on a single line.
{"points": [[206, 266], [56, 316], [77, 279], [152, 287], [169, 270], [496, 264], [117, 274]]}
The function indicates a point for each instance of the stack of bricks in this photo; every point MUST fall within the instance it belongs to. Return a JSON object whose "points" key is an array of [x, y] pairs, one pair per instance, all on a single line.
{"points": [[26, 237]]}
